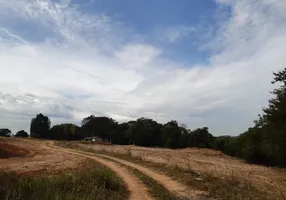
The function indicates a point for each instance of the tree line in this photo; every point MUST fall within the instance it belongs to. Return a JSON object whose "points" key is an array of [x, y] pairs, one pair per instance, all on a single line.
{"points": [[142, 132], [5, 132], [264, 143]]}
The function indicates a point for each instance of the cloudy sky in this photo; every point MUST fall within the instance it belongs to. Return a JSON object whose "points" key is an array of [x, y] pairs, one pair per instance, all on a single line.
{"points": [[200, 62]]}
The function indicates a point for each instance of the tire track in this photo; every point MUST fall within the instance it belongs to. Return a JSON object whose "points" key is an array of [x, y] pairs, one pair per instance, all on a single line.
{"points": [[138, 191]]}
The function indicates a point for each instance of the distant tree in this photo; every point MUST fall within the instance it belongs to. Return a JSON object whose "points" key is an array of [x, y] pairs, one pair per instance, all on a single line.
{"points": [[120, 135], [40, 126], [201, 138], [5, 132], [145, 132], [103, 127], [65, 132], [172, 135], [22, 133]]}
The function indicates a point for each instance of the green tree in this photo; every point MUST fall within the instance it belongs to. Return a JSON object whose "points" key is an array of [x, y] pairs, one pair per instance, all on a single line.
{"points": [[172, 135], [145, 132], [266, 141], [40, 126], [5, 132], [120, 135], [22, 133], [201, 138], [65, 132], [103, 127]]}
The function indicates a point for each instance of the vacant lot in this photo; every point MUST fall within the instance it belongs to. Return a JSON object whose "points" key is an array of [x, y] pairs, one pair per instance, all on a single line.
{"points": [[136, 172]]}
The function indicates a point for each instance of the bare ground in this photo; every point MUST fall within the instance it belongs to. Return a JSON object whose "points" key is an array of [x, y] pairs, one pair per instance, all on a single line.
{"points": [[39, 157], [8, 151]]}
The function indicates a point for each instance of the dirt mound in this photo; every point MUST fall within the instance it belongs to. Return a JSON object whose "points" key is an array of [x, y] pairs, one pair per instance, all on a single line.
{"points": [[8, 150]]}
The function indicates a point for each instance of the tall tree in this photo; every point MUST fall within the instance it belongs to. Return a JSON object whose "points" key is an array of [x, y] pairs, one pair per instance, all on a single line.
{"points": [[40, 126], [270, 128], [201, 138], [65, 132], [172, 135], [102, 127], [145, 132]]}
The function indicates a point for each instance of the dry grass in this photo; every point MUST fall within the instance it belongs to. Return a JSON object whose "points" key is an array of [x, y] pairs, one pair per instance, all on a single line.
{"points": [[221, 176], [92, 182]]}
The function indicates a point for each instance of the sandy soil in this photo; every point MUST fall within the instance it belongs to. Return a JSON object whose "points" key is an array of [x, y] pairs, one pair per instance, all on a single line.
{"points": [[204, 160], [8, 151], [38, 157]]}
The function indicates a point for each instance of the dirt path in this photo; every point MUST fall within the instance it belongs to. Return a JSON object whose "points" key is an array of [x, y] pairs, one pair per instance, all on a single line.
{"points": [[136, 188], [170, 184], [43, 156]]}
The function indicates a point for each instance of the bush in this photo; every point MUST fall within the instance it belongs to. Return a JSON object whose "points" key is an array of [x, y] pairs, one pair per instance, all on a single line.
{"points": [[22, 133]]}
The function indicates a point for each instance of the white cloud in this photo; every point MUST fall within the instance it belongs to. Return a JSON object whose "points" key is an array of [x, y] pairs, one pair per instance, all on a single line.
{"points": [[137, 55], [89, 64], [175, 33]]}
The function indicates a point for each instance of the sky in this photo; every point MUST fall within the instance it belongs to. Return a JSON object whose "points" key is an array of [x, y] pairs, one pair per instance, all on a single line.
{"points": [[200, 62]]}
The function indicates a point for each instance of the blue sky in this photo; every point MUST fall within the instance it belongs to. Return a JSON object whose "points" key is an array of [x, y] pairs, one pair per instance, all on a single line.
{"points": [[152, 18], [201, 62]]}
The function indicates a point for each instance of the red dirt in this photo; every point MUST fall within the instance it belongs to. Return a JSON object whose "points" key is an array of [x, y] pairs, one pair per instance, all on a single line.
{"points": [[8, 151]]}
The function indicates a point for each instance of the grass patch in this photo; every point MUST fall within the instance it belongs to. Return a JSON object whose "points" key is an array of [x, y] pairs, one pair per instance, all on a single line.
{"points": [[89, 183], [227, 188]]}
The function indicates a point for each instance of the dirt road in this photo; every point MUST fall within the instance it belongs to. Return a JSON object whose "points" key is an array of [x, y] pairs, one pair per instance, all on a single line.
{"points": [[43, 156], [170, 184], [136, 188], [202, 161]]}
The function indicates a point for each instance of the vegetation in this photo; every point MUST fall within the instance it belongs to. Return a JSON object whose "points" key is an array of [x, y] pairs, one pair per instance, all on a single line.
{"points": [[40, 126], [265, 143], [65, 132], [94, 182], [22, 133], [5, 132]]}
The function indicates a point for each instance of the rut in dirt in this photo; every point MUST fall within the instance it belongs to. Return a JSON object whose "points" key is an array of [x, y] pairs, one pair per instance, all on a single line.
{"points": [[173, 186], [138, 190], [170, 184]]}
